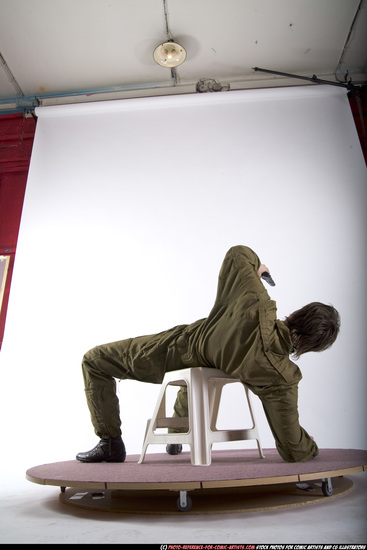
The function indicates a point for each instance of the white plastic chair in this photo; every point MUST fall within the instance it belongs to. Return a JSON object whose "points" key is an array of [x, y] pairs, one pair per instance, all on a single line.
{"points": [[204, 389]]}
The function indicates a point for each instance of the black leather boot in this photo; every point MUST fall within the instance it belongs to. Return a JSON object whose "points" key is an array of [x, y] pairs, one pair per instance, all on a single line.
{"points": [[174, 449], [107, 450]]}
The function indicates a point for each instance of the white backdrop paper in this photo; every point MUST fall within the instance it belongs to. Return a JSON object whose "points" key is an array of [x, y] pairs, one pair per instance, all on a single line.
{"points": [[129, 210]]}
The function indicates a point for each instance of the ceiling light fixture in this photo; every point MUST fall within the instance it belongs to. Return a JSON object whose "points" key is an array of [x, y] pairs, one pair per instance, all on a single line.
{"points": [[169, 54]]}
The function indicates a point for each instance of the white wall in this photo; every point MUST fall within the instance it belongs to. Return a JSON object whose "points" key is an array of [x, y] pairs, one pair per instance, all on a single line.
{"points": [[129, 210]]}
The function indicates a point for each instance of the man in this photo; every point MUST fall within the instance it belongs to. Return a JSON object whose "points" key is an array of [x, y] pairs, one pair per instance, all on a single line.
{"points": [[241, 336]]}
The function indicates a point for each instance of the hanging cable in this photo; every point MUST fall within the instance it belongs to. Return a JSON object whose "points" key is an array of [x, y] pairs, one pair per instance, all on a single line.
{"points": [[170, 38], [11, 76], [348, 42], [168, 32]]}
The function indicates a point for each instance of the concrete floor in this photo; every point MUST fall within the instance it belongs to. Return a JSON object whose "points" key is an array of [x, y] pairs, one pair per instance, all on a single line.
{"points": [[31, 513]]}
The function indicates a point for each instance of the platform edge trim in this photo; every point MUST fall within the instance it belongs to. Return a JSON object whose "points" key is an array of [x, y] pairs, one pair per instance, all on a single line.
{"points": [[147, 486], [331, 473], [35, 479], [250, 482]]}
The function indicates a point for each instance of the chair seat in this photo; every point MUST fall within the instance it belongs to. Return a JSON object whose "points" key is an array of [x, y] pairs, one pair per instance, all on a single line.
{"points": [[204, 390]]}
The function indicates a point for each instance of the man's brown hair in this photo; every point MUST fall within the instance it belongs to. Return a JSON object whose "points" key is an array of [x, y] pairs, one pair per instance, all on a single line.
{"points": [[314, 327]]}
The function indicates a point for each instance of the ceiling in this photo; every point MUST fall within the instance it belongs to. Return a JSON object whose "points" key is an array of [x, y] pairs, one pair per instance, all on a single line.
{"points": [[68, 51]]}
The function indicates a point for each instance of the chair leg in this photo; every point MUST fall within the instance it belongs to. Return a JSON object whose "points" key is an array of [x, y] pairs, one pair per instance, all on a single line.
{"points": [[159, 412], [145, 443], [199, 419], [215, 395]]}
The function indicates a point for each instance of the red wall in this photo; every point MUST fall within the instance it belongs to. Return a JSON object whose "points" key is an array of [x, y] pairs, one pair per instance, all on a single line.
{"points": [[16, 140], [358, 104]]}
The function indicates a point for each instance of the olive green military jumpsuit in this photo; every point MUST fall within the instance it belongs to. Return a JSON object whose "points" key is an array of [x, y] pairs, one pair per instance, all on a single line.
{"points": [[241, 336]]}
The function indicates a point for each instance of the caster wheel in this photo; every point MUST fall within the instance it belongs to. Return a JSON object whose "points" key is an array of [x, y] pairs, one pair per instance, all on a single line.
{"points": [[327, 488], [186, 507]]}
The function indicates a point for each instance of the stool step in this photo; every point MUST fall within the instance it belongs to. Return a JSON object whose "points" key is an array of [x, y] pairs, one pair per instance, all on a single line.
{"points": [[173, 422]]}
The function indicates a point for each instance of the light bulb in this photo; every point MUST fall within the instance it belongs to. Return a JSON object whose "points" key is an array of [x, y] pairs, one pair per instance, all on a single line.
{"points": [[170, 51], [169, 54]]}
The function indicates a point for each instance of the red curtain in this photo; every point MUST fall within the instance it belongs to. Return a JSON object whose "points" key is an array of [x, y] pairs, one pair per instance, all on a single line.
{"points": [[16, 140], [358, 104]]}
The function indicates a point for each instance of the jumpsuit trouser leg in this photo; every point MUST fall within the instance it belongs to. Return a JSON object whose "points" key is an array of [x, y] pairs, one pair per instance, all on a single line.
{"points": [[100, 366], [145, 359]]}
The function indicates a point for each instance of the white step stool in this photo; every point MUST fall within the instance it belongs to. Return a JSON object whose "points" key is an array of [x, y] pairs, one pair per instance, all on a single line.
{"points": [[204, 388]]}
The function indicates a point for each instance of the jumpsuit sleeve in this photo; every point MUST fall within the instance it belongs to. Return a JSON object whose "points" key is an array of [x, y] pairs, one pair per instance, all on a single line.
{"points": [[238, 276], [280, 406]]}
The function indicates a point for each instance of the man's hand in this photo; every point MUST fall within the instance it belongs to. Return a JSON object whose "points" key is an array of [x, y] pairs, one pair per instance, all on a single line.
{"points": [[264, 272], [262, 269]]}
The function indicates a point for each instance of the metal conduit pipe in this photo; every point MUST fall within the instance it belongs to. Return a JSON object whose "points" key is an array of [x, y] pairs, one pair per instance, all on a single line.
{"points": [[28, 103]]}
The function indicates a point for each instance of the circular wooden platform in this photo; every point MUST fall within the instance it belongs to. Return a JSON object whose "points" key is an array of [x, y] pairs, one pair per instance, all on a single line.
{"points": [[206, 501], [236, 481]]}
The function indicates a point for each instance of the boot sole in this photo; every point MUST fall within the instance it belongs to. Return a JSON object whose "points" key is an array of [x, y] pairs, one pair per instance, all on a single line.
{"points": [[103, 460]]}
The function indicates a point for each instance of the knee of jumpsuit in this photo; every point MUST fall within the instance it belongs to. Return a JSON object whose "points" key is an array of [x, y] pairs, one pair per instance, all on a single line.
{"points": [[103, 363]]}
